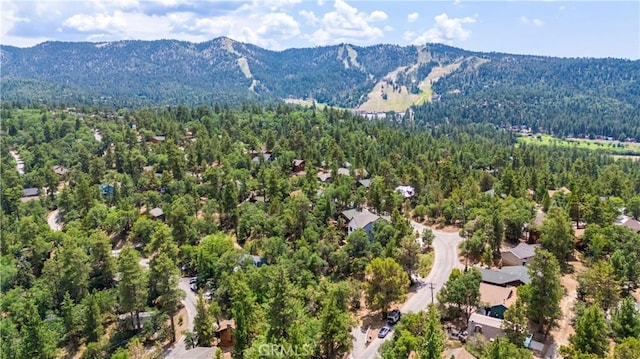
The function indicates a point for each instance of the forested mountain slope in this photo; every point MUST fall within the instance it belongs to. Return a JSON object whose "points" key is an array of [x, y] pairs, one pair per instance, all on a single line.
{"points": [[556, 95]]}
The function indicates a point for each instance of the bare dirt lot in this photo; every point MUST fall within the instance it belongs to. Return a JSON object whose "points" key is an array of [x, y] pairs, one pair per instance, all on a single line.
{"points": [[561, 334]]}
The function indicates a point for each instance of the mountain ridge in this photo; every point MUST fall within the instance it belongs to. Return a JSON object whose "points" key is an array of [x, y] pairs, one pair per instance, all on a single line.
{"points": [[377, 77]]}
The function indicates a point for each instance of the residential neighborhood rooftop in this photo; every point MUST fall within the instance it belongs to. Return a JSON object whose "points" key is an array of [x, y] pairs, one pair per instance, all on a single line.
{"points": [[30, 192], [631, 224], [156, 212], [524, 250], [505, 275], [494, 295]]}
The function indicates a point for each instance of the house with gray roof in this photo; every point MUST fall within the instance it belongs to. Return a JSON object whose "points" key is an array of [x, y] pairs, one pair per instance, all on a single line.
{"points": [[519, 255], [506, 276], [30, 194], [157, 213], [365, 220], [366, 183], [487, 326]]}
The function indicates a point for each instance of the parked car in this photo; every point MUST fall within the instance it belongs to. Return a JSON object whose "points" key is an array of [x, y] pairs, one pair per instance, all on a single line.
{"points": [[384, 331], [393, 317], [194, 287], [528, 340], [462, 336], [193, 280]]}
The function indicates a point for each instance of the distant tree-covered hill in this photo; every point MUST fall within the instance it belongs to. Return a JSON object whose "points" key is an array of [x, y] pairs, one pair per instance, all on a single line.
{"points": [[443, 84]]}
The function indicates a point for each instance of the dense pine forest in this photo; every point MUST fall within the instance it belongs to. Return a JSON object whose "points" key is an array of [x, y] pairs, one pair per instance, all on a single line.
{"points": [[150, 197]]}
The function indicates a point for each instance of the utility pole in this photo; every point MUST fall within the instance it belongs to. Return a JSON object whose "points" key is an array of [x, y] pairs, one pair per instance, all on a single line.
{"points": [[432, 286]]}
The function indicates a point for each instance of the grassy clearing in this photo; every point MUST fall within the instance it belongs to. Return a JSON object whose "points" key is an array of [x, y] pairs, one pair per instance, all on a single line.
{"points": [[309, 103], [425, 264], [614, 147]]}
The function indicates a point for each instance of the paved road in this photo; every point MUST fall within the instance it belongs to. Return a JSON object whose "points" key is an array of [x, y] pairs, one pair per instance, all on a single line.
{"points": [[445, 246], [52, 220], [179, 350], [19, 162]]}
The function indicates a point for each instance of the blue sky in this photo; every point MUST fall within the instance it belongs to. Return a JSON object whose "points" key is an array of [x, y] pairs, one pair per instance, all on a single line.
{"points": [[554, 28]]}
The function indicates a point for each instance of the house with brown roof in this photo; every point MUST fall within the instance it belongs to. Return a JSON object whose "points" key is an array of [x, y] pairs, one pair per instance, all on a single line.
{"points": [[324, 176], [532, 229], [158, 139], [298, 165], [632, 224], [225, 334], [496, 299], [562, 189], [60, 170], [457, 353]]}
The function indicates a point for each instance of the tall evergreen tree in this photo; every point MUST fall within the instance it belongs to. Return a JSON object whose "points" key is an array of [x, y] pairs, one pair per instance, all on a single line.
{"points": [[93, 319], [132, 288], [203, 324], [334, 340], [557, 235], [244, 311], [386, 283], [542, 296], [626, 320], [591, 332], [503, 349], [515, 324], [163, 278], [434, 337]]}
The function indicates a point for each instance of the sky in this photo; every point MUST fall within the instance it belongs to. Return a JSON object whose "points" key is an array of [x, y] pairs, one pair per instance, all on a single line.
{"points": [[551, 28]]}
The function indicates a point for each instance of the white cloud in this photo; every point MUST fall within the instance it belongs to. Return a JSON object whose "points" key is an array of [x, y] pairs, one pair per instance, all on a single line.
{"points": [[446, 30], [264, 23], [457, 2], [320, 2], [346, 24], [132, 25], [535, 22], [409, 35], [413, 17], [377, 15], [309, 16]]}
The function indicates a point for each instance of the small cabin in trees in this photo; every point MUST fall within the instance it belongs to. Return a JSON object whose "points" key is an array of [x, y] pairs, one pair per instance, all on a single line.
{"points": [[298, 165], [225, 333], [30, 194], [632, 224], [157, 213], [158, 139]]}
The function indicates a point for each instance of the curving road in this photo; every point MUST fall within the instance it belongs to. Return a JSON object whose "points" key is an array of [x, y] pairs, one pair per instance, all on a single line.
{"points": [[52, 220], [179, 350], [445, 246]]}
